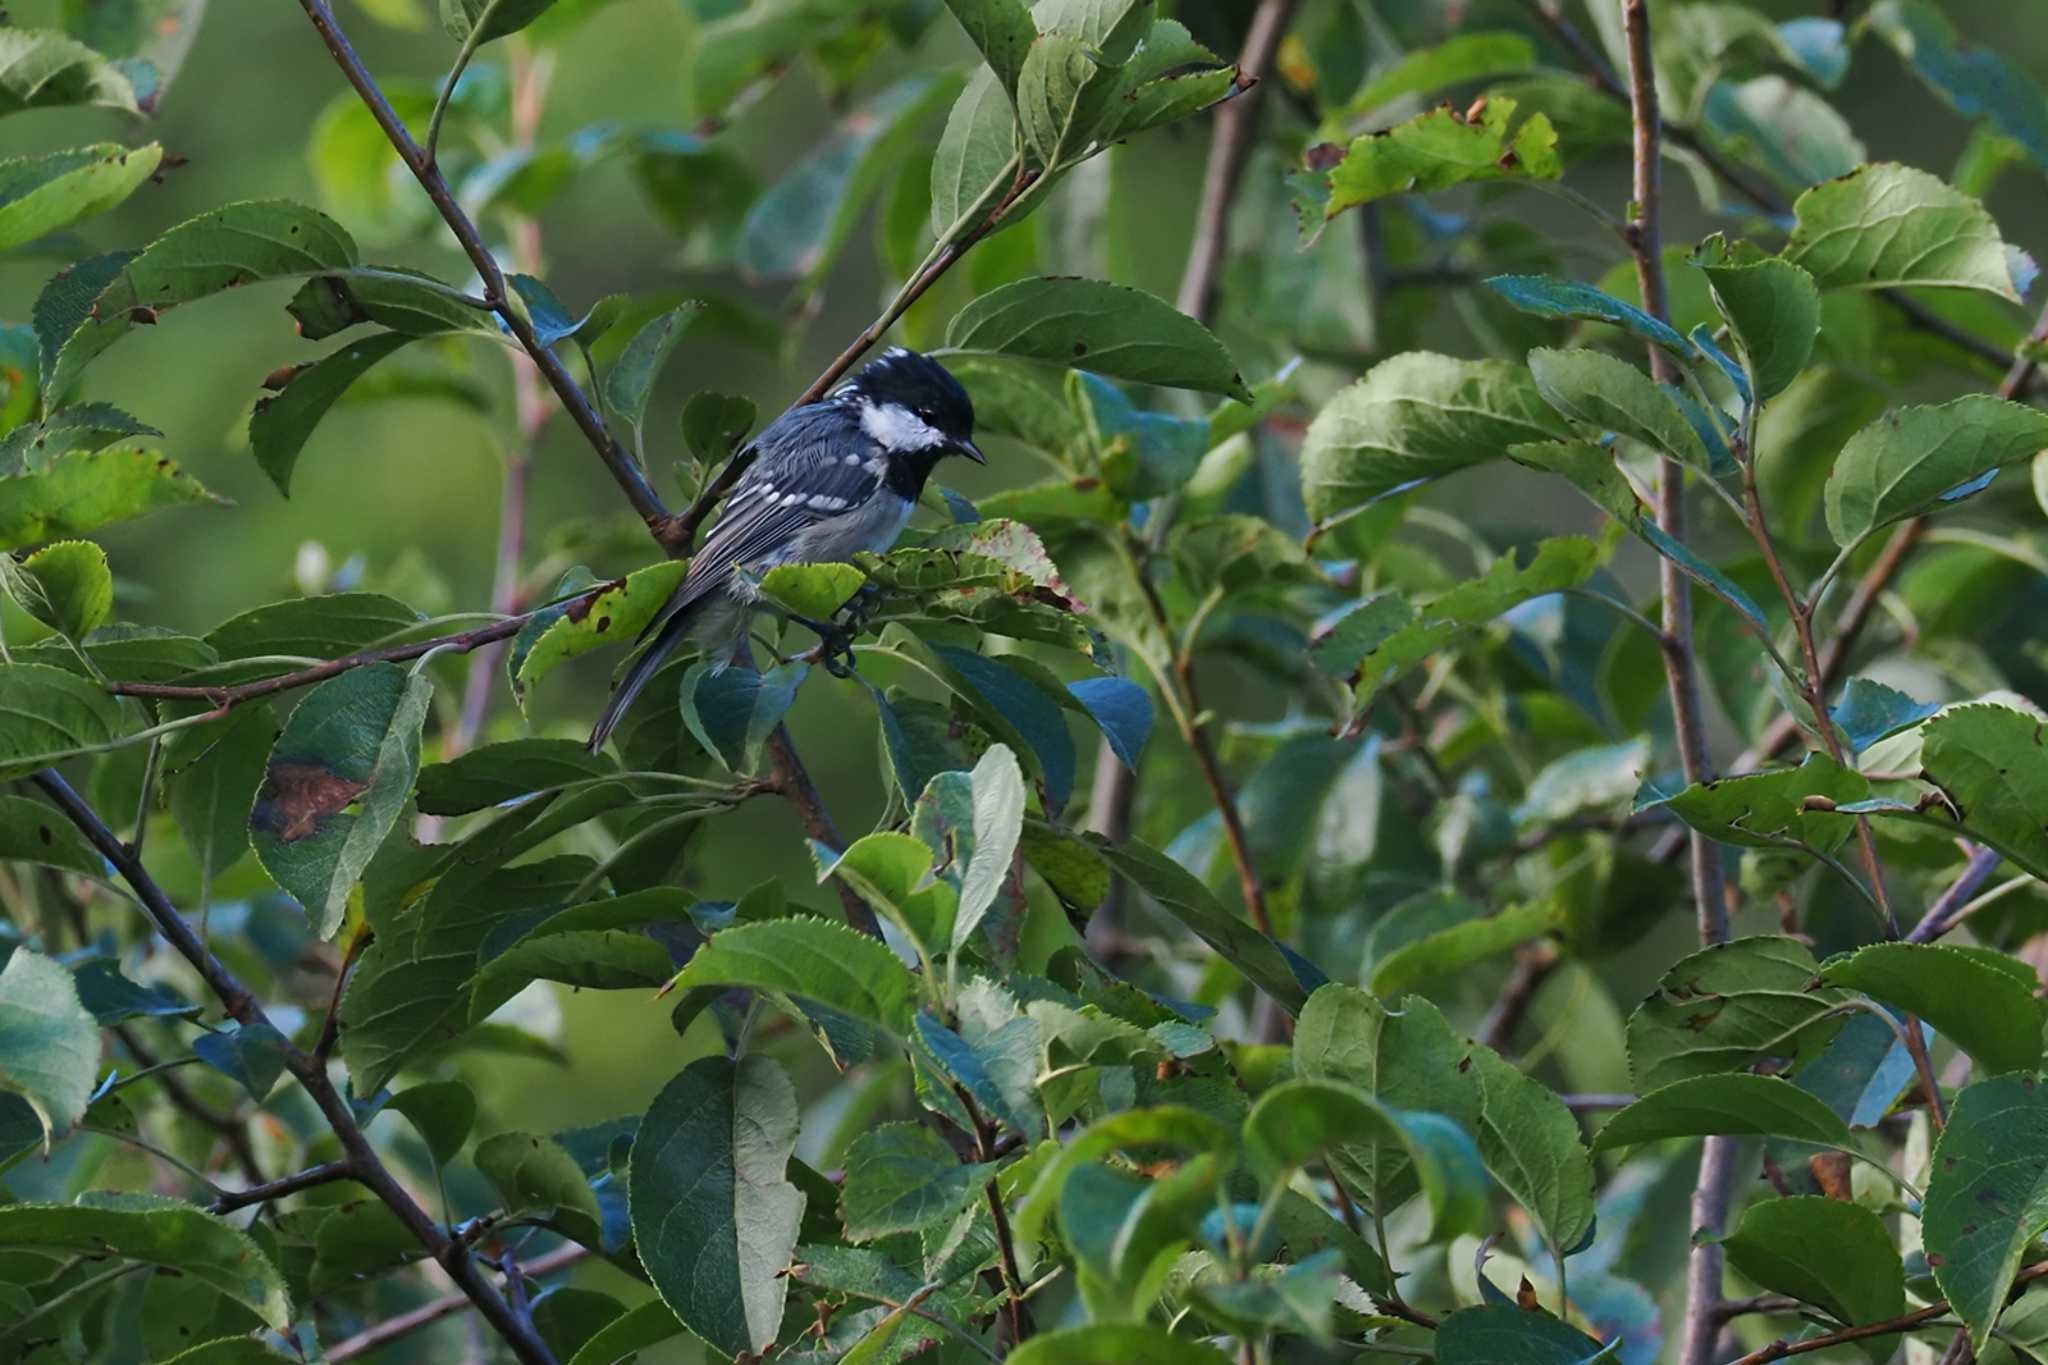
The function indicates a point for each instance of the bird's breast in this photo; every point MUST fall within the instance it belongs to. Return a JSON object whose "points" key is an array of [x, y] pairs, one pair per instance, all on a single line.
{"points": [[873, 526]]}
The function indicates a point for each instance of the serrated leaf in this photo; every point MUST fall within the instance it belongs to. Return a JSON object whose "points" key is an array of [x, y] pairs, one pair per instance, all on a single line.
{"points": [[441, 1112], [1017, 708], [1001, 30], [1731, 1104], [1888, 225], [733, 710], [714, 425], [1992, 762], [1531, 1143], [828, 964], [1728, 1007], [1835, 1255], [33, 832], [49, 1042], [324, 627], [354, 742], [1417, 416], [1504, 1334], [1605, 394], [714, 1216], [281, 424], [1550, 297], [1767, 810], [629, 383], [1459, 946], [1463, 57], [1969, 997], [152, 1230], [74, 588], [613, 616], [902, 1177], [48, 714], [977, 150], [40, 194], [497, 773], [78, 426], [1913, 459], [534, 1173], [1441, 148], [82, 490], [816, 591], [1987, 1195], [1773, 308], [44, 69], [998, 822], [1106, 329], [251, 1054]]}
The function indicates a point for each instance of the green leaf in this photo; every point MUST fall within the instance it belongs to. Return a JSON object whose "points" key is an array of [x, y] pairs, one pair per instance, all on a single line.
{"points": [[400, 300], [1992, 763], [902, 1177], [82, 490], [812, 590], [1417, 416], [1001, 30], [629, 383], [714, 1215], [1869, 711], [732, 710], [815, 960], [281, 424], [325, 627], [1025, 714], [1982, 1002], [1987, 1196], [714, 425], [44, 69], [217, 251], [49, 1043], [441, 1112], [47, 714], [1297, 1121], [112, 998], [1767, 810], [597, 945], [80, 426], [498, 773], [648, 1325], [1887, 225], [213, 775], [1976, 82], [1773, 308], [1065, 89], [250, 1054], [1606, 394], [802, 222], [1459, 946], [40, 194], [533, 1173], [995, 1056], [1833, 1254], [1439, 149], [1531, 1143], [152, 1230], [977, 150], [1503, 1334], [357, 172], [998, 786], [613, 616], [354, 742], [1106, 329], [1733, 1104], [1464, 57], [1121, 709], [1181, 894], [1914, 458], [1727, 1008], [1175, 1126], [229, 1351], [885, 869], [474, 22], [1112, 1343], [1559, 563], [1550, 297], [32, 832], [74, 587]]}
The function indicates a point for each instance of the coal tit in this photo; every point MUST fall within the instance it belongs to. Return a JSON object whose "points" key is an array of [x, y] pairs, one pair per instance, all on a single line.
{"points": [[828, 479]]}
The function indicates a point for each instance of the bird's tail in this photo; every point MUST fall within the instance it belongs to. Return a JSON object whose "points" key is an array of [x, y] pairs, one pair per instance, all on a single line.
{"points": [[638, 674]]}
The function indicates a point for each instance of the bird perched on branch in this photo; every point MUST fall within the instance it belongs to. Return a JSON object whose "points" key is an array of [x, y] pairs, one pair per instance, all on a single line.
{"points": [[829, 479]]}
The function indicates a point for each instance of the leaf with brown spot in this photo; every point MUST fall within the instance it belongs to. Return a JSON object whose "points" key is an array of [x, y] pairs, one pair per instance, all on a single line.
{"points": [[354, 741]]}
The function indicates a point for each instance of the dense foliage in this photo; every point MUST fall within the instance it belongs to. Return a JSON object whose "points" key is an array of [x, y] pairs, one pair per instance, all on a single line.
{"points": [[1616, 943]]}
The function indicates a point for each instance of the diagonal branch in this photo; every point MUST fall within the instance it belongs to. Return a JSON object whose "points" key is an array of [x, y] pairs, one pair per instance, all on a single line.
{"points": [[625, 470], [361, 1162]]}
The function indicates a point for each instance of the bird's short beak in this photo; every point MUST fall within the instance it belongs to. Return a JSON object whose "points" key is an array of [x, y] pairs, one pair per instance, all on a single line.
{"points": [[971, 451]]}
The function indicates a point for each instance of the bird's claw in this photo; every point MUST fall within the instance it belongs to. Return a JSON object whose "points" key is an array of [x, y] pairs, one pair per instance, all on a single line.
{"points": [[835, 645]]}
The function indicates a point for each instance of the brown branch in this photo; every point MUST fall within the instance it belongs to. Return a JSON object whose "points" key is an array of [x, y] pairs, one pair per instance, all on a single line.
{"points": [[432, 1311], [324, 1174], [241, 1005], [1713, 1189], [1533, 965], [460, 643], [793, 782], [1947, 910], [624, 468]]}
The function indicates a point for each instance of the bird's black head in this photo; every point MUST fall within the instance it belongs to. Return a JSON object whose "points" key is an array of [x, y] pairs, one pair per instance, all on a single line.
{"points": [[910, 404]]}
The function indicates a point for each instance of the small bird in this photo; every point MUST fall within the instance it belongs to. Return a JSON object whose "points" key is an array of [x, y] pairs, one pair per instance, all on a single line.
{"points": [[829, 479]]}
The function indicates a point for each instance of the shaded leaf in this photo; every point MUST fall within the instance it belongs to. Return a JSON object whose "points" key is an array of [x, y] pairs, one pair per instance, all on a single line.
{"points": [[1869, 711], [1987, 1196], [1727, 1008], [1833, 1254], [47, 714], [1107, 329], [1982, 1002], [533, 1173], [1550, 297], [282, 423], [902, 1177], [815, 960], [1606, 394], [49, 1043], [1735, 1104], [1503, 1334]]}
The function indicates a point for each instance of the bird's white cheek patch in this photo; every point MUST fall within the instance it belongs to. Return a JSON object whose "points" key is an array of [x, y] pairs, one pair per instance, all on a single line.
{"points": [[896, 427]]}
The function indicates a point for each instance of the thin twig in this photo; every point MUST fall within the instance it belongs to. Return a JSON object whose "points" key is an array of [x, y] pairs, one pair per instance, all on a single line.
{"points": [[1713, 1189], [460, 643], [432, 1311], [324, 1174], [241, 1006], [1533, 965], [1905, 1322], [1948, 910], [624, 469]]}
